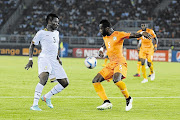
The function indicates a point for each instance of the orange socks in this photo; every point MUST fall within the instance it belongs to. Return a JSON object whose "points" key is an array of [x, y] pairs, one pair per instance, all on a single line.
{"points": [[144, 71], [122, 87], [100, 91], [138, 67]]}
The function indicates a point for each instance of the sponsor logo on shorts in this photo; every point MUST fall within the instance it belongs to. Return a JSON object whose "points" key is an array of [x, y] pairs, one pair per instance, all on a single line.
{"points": [[178, 56]]}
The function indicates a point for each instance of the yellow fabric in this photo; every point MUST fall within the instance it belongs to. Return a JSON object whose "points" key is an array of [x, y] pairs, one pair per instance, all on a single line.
{"points": [[105, 61], [45, 29], [138, 67], [144, 71], [122, 87], [100, 91], [61, 45]]}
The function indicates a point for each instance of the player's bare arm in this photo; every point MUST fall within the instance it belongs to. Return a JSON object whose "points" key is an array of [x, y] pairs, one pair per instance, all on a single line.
{"points": [[101, 53], [137, 35], [139, 45], [31, 49], [155, 43], [58, 58]]}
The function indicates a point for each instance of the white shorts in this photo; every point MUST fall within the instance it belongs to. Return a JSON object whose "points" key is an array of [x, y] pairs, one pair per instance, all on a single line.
{"points": [[51, 66]]}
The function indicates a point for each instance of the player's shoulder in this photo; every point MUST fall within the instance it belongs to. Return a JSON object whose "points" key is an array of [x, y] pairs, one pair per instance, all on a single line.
{"points": [[41, 32], [151, 31], [139, 31], [56, 31], [121, 32]]}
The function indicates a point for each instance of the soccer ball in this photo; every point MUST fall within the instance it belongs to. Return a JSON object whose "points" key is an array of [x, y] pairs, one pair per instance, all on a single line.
{"points": [[90, 62]]}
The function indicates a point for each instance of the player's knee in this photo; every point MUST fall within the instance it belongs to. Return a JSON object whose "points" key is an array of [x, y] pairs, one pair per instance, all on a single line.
{"points": [[142, 61], [43, 78], [149, 64], [64, 82], [98, 78], [117, 77]]}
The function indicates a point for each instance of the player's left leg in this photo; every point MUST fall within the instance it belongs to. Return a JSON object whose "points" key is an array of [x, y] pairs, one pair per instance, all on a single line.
{"points": [[117, 79], [138, 68], [150, 65], [63, 83]]}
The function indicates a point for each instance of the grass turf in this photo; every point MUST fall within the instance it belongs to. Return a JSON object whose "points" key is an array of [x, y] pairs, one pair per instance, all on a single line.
{"points": [[157, 100]]}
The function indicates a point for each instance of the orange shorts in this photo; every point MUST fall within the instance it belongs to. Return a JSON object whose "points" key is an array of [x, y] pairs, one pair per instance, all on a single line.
{"points": [[146, 53], [111, 68]]}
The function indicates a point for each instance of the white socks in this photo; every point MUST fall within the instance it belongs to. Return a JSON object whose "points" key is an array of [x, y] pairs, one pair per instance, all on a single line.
{"points": [[37, 94], [56, 89]]}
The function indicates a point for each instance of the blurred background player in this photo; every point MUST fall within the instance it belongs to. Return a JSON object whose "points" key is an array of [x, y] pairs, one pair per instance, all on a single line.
{"points": [[49, 63], [117, 68], [147, 49], [139, 61]]}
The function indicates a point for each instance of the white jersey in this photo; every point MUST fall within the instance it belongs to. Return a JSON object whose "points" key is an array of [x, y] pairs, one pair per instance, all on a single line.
{"points": [[49, 41], [47, 60]]}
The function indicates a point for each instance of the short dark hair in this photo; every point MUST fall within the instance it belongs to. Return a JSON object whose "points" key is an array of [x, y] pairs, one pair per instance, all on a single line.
{"points": [[105, 23], [51, 16]]}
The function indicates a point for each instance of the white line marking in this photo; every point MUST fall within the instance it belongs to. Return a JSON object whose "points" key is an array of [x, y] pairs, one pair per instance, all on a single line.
{"points": [[86, 97]]}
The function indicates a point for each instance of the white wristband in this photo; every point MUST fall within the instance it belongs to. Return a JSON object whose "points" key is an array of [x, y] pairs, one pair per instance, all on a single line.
{"points": [[30, 59], [101, 49]]}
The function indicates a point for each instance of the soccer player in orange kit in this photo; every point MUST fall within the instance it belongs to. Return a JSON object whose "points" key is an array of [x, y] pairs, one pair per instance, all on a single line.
{"points": [[117, 68], [147, 49]]}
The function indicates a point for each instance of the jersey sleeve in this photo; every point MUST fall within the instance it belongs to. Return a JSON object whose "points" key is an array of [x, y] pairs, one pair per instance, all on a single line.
{"points": [[153, 34], [124, 35], [37, 38]]}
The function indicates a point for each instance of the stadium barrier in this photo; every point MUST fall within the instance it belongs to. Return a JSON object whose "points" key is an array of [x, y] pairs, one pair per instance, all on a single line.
{"points": [[23, 50], [175, 56], [130, 54]]}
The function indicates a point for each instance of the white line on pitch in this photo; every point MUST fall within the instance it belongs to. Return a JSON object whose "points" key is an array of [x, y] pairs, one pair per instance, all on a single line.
{"points": [[8, 97]]}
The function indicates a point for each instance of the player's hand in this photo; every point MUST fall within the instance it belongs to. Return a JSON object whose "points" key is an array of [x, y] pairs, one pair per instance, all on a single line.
{"points": [[147, 35], [155, 49], [30, 64], [101, 54]]}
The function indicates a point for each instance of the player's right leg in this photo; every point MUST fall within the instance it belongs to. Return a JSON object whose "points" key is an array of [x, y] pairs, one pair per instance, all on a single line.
{"points": [[138, 68], [38, 90], [101, 92], [144, 71]]}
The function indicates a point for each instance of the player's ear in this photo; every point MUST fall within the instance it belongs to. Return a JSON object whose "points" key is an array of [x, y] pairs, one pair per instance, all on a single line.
{"points": [[107, 28]]}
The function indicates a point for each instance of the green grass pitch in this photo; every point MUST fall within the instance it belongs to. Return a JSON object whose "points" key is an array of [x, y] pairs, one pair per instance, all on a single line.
{"points": [[155, 100]]}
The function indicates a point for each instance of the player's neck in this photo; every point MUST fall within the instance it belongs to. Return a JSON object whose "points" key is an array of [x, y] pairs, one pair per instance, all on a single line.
{"points": [[110, 32], [49, 28]]}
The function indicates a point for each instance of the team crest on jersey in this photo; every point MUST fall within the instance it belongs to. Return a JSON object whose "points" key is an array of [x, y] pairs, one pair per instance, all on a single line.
{"points": [[114, 38], [178, 56]]}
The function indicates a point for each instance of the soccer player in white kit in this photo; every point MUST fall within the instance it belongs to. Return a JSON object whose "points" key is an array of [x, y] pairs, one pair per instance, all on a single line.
{"points": [[49, 63]]}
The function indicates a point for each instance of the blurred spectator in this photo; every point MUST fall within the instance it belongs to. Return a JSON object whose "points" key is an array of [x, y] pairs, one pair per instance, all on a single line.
{"points": [[81, 18]]}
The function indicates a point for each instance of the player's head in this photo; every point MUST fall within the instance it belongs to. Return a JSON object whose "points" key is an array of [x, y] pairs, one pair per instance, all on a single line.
{"points": [[144, 26], [104, 27], [52, 21]]}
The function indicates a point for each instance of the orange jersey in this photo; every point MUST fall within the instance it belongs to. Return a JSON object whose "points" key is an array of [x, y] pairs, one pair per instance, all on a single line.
{"points": [[114, 45], [146, 43]]}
